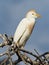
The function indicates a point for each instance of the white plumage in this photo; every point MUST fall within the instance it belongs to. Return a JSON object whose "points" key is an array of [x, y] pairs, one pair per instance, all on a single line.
{"points": [[25, 28]]}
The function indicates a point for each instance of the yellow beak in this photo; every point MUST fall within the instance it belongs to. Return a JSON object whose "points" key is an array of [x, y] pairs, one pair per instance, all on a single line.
{"points": [[38, 15]]}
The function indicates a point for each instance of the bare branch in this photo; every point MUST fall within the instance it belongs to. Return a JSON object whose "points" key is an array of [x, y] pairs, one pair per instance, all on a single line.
{"points": [[40, 59]]}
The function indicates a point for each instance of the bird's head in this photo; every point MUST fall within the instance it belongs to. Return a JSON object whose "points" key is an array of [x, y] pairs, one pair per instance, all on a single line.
{"points": [[32, 14]]}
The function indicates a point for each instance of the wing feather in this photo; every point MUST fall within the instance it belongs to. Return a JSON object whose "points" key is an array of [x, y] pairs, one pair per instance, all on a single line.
{"points": [[20, 30]]}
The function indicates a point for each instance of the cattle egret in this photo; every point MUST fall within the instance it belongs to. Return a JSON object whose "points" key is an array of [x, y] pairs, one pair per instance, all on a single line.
{"points": [[25, 28]]}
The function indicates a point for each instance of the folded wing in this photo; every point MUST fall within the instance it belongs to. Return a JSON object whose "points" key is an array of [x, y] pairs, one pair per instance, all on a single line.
{"points": [[20, 30]]}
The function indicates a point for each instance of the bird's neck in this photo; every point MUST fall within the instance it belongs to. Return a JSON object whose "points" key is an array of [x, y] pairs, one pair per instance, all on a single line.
{"points": [[31, 19]]}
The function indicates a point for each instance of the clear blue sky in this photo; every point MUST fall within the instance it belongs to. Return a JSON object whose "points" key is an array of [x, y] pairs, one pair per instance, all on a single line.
{"points": [[12, 12]]}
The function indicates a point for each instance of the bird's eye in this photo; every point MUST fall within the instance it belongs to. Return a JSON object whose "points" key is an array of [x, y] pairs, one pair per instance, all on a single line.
{"points": [[32, 13]]}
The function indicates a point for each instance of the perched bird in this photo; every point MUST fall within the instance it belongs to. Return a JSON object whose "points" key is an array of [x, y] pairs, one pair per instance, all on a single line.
{"points": [[25, 28]]}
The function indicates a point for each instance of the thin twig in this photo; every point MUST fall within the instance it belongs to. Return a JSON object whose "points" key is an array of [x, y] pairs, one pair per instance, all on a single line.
{"points": [[31, 54]]}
